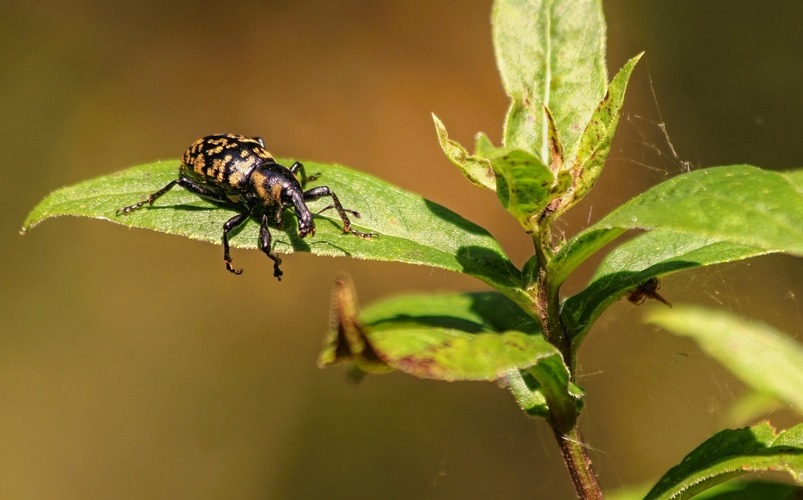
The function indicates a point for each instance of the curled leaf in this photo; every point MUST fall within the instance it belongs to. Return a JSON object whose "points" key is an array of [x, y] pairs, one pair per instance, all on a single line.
{"points": [[474, 167]]}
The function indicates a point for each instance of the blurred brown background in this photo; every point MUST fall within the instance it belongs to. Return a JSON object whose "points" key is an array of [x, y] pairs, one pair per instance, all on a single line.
{"points": [[133, 366]]}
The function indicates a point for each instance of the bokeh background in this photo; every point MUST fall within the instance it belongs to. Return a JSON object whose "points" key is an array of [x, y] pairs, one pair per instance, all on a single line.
{"points": [[133, 366]]}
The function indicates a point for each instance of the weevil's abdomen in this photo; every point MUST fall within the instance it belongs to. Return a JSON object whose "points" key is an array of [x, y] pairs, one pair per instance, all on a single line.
{"points": [[224, 163]]}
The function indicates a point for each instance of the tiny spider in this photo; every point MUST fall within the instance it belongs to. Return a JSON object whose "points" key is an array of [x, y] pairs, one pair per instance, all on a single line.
{"points": [[647, 290]]}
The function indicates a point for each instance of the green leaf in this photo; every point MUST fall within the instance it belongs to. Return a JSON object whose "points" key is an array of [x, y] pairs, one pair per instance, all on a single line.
{"points": [[476, 168], [763, 358], [549, 54], [524, 184], [471, 312], [452, 354], [411, 229], [739, 204], [563, 397], [528, 393], [575, 251], [731, 490], [473, 336], [751, 490], [595, 143], [705, 217], [649, 255], [732, 453], [483, 147]]}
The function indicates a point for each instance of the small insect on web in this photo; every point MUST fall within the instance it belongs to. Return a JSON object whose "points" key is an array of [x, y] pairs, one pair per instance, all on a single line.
{"points": [[647, 290]]}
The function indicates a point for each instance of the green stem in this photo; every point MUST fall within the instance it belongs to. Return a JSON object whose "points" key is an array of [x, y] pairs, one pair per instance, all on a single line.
{"points": [[547, 299], [563, 418]]}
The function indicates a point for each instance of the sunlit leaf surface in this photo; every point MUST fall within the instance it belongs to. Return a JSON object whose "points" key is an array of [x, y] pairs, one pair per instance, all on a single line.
{"points": [[595, 143], [708, 216], [739, 204], [473, 336], [549, 54], [475, 168], [732, 453], [411, 229]]}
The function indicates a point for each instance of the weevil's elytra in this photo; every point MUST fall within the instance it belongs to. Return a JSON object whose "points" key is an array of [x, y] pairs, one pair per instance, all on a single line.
{"points": [[238, 172]]}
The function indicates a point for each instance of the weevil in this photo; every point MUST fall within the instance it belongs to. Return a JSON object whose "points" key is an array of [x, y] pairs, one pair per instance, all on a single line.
{"points": [[239, 173]]}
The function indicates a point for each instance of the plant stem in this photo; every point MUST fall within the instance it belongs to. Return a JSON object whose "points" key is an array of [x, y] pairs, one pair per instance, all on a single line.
{"points": [[563, 420], [547, 301], [578, 463]]}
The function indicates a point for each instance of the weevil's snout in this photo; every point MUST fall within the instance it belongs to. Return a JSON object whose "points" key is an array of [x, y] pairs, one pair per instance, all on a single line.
{"points": [[306, 227]]}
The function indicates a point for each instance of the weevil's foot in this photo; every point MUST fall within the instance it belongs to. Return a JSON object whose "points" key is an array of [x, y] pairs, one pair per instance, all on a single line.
{"points": [[231, 269], [366, 236], [314, 177], [127, 210], [277, 273]]}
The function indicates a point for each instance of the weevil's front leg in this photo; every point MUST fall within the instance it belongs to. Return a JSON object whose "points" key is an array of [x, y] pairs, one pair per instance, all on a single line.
{"points": [[264, 244], [329, 207], [320, 192]]}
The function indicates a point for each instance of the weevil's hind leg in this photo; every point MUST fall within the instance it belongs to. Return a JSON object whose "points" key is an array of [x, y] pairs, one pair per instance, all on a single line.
{"points": [[320, 192], [230, 224], [151, 198], [264, 244], [187, 184], [194, 187]]}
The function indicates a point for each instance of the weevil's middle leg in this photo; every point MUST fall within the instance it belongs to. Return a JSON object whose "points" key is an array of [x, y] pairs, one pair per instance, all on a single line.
{"points": [[230, 224], [264, 244]]}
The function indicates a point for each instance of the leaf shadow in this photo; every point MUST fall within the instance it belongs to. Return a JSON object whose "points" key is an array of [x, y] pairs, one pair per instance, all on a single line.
{"points": [[453, 218], [187, 208], [585, 306], [489, 266], [498, 314]]}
